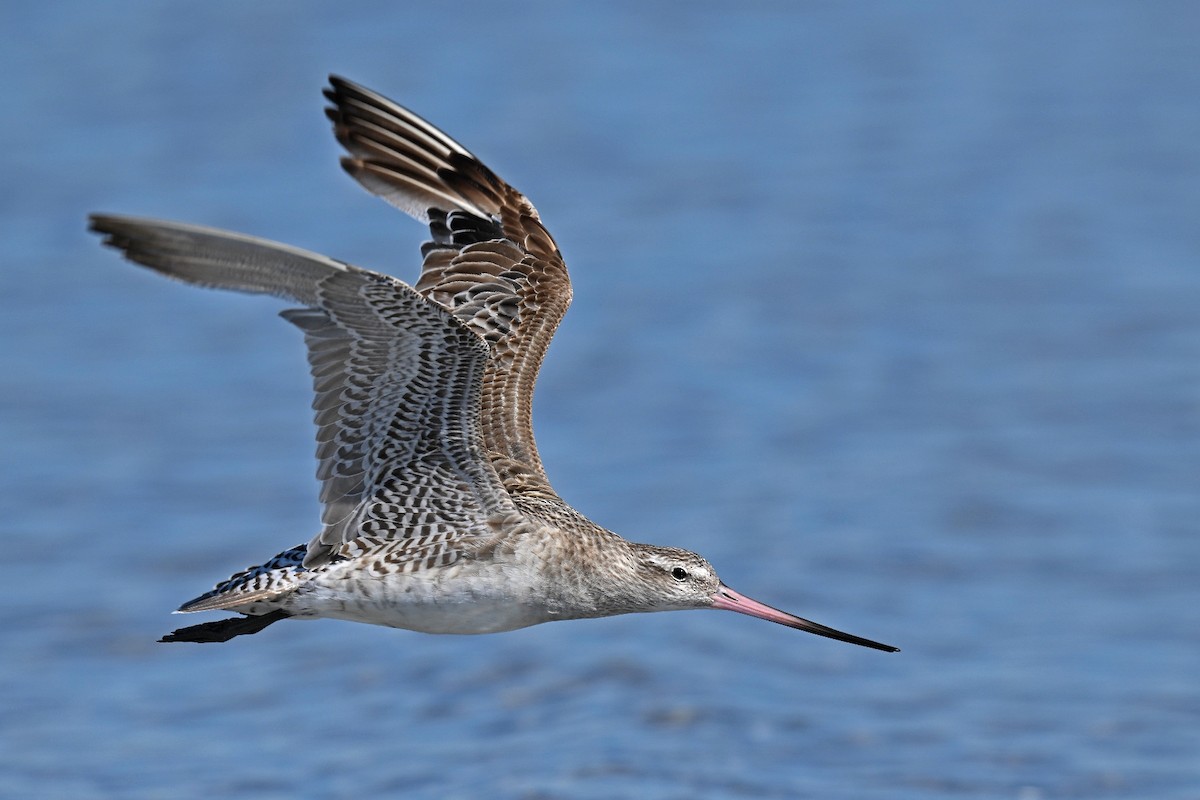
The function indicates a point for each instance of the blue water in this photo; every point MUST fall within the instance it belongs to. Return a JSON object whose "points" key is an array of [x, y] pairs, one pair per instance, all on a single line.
{"points": [[891, 310]]}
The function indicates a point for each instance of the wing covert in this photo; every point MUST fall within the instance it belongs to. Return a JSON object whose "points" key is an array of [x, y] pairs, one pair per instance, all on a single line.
{"points": [[397, 382], [490, 261]]}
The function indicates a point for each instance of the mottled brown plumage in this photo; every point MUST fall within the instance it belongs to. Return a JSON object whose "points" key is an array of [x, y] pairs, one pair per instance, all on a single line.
{"points": [[437, 514], [491, 262]]}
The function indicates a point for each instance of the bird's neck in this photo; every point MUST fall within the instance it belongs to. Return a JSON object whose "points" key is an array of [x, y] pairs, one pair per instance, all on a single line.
{"points": [[595, 575]]}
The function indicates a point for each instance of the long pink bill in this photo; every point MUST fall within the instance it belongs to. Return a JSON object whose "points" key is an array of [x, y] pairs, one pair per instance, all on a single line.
{"points": [[728, 599]]}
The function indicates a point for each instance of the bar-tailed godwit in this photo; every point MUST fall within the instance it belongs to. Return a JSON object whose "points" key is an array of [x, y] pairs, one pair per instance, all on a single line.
{"points": [[437, 514]]}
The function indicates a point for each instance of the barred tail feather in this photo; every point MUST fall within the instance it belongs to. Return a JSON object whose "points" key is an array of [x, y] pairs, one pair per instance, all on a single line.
{"points": [[259, 584]]}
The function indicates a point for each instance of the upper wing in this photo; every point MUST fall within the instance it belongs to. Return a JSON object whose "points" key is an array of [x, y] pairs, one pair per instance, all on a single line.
{"points": [[397, 382], [491, 262]]}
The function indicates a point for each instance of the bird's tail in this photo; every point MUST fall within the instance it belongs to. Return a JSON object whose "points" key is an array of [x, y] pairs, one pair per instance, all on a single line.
{"points": [[222, 630]]}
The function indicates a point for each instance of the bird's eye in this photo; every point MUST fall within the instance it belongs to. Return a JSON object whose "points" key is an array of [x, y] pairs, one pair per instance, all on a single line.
{"points": [[679, 574]]}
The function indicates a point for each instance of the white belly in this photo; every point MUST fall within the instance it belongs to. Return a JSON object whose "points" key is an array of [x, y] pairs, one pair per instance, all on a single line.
{"points": [[448, 600]]}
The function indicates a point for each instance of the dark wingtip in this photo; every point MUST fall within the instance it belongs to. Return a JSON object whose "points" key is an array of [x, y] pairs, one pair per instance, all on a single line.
{"points": [[109, 228], [100, 223]]}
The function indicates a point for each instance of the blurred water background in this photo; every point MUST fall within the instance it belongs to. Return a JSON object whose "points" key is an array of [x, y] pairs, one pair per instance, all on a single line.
{"points": [[891, 310]]}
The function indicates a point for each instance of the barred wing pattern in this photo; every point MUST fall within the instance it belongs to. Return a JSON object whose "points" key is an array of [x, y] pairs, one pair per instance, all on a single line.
{"points": [[397, 382], [490, 262]]}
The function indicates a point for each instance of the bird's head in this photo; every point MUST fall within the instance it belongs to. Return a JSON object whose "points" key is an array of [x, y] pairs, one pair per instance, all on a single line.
{"points": [[675, 579]]}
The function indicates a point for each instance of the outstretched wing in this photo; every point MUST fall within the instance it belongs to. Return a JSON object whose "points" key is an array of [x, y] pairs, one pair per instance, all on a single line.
{"points": [[491, 262], [397, 381]]}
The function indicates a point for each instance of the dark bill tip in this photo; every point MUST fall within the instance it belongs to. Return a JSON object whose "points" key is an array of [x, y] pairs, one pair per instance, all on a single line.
{"points": [[729, 600]]}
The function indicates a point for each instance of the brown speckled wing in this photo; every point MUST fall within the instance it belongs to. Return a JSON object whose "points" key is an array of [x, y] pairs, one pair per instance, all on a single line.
{"points": [[490, 261], [397, 396], [397, 379]]}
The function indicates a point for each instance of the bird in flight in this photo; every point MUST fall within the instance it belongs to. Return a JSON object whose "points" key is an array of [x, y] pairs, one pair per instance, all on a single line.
{"points": [[437, 515]]}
